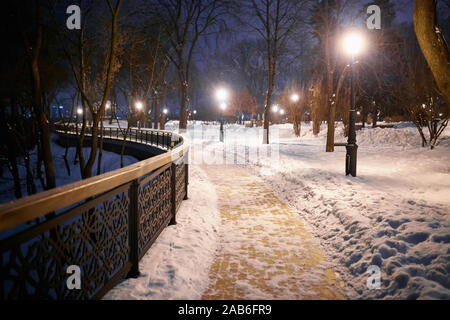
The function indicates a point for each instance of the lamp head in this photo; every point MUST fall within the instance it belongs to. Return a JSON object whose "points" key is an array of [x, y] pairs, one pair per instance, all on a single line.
{"points": [[353, 43], [221, 94]]}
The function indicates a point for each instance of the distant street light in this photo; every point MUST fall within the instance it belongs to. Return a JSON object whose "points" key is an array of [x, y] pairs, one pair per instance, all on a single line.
{"points": [[295, 97], [139, 106], [165, 111], [353, 43], [221, 94], [275, 108], [282, 112], [79, 111]]}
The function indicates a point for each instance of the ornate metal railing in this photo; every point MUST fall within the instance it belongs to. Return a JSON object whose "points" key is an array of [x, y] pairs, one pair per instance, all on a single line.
{"points": [[158, 138], [103, 225]]}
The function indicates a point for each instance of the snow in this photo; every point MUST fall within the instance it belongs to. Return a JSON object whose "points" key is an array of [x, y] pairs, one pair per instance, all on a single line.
{"points": [[177, 265], [395, 214]]}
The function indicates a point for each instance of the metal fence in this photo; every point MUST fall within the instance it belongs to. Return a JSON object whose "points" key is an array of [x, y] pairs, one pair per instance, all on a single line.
{"points": [[104, 225]]}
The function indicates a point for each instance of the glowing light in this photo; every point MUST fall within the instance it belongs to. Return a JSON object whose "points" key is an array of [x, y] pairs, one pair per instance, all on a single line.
{"points": [[139, 105], [165, 111], [223, 106], [353, 43], [221, 94], [195, 111], [282, 111], [79, 111], [275, 108], [295, 97], [108, 105]]}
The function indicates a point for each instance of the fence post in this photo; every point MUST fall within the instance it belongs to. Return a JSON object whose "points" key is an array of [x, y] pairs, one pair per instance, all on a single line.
{"points": [[133, 230], [173, 186], [186, 176]]}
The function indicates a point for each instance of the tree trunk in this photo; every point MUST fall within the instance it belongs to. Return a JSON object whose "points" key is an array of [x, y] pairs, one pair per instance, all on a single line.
{"points": [[37, 103], [332, 113], [433, 44], [268, 101]]}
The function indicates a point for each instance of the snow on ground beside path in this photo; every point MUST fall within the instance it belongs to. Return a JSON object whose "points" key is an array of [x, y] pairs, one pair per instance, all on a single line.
{"points": [[395, 214], [177, 265]]}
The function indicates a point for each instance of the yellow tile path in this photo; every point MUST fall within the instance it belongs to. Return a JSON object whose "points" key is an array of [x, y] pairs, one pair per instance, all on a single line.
{"points": [[265, 250]]}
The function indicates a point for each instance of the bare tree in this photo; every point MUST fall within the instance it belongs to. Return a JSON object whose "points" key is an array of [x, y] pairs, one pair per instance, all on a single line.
{"points": [[275, 23], [185, 21], [433, 44], [33, 49], [295, 107], [95, 97]]}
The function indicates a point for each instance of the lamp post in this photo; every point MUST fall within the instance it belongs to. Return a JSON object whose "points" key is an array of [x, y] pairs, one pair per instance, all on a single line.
{"points": [[221, 96], [223, 106], [139, 108], [353, 44]]}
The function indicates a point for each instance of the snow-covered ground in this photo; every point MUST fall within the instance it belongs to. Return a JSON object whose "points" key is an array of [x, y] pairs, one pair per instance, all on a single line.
{"points": [[395, 214], [177, 265]]}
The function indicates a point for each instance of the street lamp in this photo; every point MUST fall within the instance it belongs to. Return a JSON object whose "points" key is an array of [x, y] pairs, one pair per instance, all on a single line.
{"points": [[295, 97], [223, 107], [139, 108], [353, 43], [275, 108], [221, 96]]}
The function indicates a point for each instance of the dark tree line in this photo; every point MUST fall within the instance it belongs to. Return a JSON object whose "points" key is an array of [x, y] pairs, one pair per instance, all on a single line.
{"points": [[133, 59]]}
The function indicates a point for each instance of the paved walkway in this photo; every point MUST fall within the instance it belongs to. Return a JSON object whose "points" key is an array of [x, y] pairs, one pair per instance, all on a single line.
{"points": [[265, 251]]}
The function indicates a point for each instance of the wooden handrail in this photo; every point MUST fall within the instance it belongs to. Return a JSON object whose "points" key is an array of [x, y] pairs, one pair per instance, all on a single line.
{"points": [[20, 211]]}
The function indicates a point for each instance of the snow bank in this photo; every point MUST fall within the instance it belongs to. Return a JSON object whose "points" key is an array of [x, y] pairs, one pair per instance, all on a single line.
{"points": [[394, 215]]}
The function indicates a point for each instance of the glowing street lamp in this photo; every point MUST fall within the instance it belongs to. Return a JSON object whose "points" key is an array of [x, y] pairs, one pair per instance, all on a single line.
{"points": [[275, 108], [139, 106], [282, 112], [165, 111], [353, 44], [80, 111], [295, 97], [221, 94]]}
